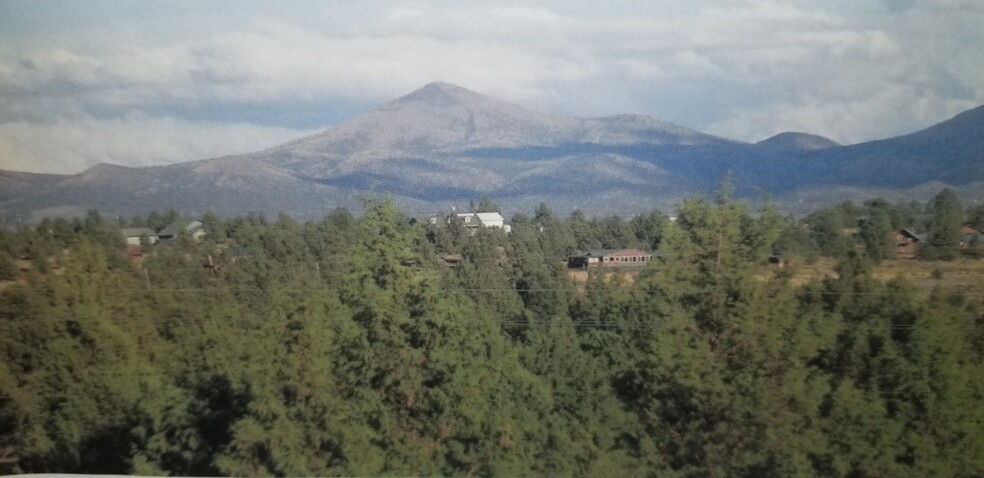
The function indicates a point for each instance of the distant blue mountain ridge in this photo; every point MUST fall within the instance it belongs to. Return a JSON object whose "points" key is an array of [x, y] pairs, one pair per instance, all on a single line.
{"points": [[443, 145]]}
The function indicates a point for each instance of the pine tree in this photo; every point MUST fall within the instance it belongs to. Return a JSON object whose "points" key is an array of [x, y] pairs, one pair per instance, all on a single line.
{"points": [[944, 227], [721, 380], [303, 419], [828, 231], [648, 228], [876, 235], [944, 429], [93, 370]]}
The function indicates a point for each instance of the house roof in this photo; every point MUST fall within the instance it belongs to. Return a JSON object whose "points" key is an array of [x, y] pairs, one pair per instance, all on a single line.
{"points": [[966, 238], [593, 253], [138, 232], [181, 224], [630, 252], [484, 217], [611, 252], [911, 233]]}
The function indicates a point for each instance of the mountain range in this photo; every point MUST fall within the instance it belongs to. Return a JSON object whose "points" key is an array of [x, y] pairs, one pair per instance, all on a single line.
{"points": [[444, 145]]}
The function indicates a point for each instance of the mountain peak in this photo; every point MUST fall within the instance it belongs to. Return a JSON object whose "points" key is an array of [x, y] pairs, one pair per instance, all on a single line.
{"points": [[445, 118], [973, 114], [798, 141], [443, 86], [440, 92], [100, 167], [107, 170], [970, 122]]}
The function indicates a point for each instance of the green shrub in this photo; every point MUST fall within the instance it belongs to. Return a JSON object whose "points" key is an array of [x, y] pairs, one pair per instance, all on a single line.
{"points": [[8, 269]]}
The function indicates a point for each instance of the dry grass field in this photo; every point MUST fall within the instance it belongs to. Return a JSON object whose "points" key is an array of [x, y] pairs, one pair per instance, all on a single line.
{"points": [[965, 275], [626, 275]]}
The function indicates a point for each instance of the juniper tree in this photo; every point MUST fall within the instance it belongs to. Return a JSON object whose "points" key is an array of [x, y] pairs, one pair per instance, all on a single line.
{"points": [[877, 235], [944, 227]]}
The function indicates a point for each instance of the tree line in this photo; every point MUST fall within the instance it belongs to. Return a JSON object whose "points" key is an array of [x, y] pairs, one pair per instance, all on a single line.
{"points": [[346, 346], [869, 229]]}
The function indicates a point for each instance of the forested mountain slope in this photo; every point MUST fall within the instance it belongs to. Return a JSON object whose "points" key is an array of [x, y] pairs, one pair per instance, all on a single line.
{"points": [[345, 346]]}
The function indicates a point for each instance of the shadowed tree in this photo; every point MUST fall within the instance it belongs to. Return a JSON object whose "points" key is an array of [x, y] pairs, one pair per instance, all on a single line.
{"points": [[877, 234], [944, 228]]}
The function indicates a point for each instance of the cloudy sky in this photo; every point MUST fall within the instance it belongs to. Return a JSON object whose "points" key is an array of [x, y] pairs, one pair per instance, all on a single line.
{"points": [[146, 83]]}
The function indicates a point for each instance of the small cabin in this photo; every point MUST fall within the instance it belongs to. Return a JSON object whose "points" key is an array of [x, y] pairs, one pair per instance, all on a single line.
{"points": [[133, 235], [907, 243], [969, 237]]}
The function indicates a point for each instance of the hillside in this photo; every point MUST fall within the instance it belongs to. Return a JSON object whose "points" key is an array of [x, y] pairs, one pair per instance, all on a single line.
{"points": [[444, 145], [790, 141]]}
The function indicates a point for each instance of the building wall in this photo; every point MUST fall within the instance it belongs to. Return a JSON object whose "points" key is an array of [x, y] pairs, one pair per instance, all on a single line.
{"points": [[621, 260], [135, 240], [628, 257], [906, 246]]}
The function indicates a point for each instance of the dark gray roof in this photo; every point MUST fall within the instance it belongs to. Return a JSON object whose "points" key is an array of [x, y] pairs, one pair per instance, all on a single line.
{"points": [[138, 232], [594, 252], [608, 252], [180, 225], [912, 233]]}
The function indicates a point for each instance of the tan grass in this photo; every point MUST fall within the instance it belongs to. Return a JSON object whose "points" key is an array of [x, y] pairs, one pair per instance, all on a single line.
{"points": [[962, 274]]}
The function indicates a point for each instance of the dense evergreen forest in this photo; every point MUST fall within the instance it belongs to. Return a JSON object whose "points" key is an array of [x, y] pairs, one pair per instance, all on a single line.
{"points": [[347, 346]]}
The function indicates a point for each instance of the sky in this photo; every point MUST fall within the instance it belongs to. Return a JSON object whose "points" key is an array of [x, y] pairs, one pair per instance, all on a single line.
{"points": [[158, 82]]}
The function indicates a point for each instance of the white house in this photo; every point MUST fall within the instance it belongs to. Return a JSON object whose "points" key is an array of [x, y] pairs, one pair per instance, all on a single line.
{"points": [[194, 228], [487, 219], [133, 235]]}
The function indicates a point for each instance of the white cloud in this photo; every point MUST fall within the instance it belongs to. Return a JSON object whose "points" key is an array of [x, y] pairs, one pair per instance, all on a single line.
{"points": [[759, 10], [536, 15], [72, 146], [276, 63], [847, 122], [740, 69], [868, 78]]}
